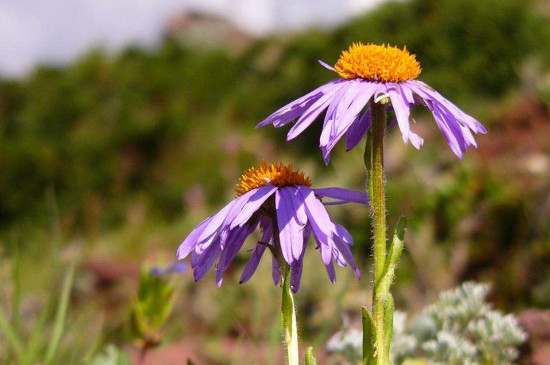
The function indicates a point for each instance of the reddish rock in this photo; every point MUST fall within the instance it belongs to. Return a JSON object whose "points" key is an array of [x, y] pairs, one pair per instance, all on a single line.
{"points": [[536, 351]]}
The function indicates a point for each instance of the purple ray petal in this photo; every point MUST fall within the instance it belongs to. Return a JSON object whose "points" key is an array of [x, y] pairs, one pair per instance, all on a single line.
{"points": [[436, 97], [343, 241], [298, 103], [235, 241], [296, 275], [325, 65], [253, 204], [209, 233], [275, 275], [253, 263], [310, 115], [407, 93], [330, 271], [402, 112], [357, 130], [297, 205], [290, 231], [416, 140], [203, 262], [320, 223], [363, 94], [343, 195], [190, 241]]}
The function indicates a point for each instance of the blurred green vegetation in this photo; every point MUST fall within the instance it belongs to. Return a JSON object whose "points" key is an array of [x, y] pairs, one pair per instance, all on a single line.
{"points": [[129, 151]]}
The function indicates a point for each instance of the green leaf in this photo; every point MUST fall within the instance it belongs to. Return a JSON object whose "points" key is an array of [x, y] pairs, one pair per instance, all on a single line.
{"points": [[368, 336], [37, 334], [310, 359], [388, 322], [153, 305], [397, 244], [11, 336], [61, 314], [395, 250]]}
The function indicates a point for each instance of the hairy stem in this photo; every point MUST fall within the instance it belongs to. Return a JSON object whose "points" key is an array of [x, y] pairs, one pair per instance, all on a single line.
{"points": [[288, 320], [378, 206]]}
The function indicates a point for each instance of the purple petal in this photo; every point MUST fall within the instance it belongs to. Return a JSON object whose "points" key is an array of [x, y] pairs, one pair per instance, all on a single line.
{"points": [[402, 112], [343, 195], [311, 114], [235, 241], [190, 241], [361, 97], [221, 219], [325, 65], [290, 231], [296, 275], [266, 226], [320, 223], [330, 271], [343, 240], [201, 263], [253, 204], [435, 96], [287, 111], [416, 140], [357, 130], [276, 276], [407, 93], [209, 233], [253, 263]]}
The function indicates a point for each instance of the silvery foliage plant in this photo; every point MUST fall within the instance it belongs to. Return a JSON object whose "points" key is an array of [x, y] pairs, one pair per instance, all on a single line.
{"points": [[461, 328]]}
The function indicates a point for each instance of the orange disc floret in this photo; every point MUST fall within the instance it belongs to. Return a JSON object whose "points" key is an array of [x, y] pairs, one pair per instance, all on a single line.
{"points": [[377, 63], [275, 174]]}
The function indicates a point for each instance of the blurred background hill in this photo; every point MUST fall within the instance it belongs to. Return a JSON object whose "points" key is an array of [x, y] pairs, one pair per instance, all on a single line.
{"points": [[121, 153]]}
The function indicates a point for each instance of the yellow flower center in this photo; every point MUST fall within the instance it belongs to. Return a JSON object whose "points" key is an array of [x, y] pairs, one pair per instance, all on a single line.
{"points": [[377, 63], [275, 174]]}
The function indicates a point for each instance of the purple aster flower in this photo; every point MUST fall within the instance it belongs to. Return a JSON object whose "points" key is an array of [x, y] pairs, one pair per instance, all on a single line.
{"points": [[282, 204], [371, 73], [178, 267]]}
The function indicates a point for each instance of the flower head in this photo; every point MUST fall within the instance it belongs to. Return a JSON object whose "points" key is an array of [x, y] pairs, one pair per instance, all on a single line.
{"points": [[377, 63], [370, 73], [281, 203]]}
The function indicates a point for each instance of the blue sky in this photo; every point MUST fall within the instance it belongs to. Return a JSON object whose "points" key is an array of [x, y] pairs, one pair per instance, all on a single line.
{"points": [[57, 31]]}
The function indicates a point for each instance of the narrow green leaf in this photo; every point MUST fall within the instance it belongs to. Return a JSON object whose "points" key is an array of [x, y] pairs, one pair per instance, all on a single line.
{"points": [[388, 322], [17, 286], [397, 244], [368, 336], [395, 250], [38, 331], [310, 359], [12, 337], [61, 314]]}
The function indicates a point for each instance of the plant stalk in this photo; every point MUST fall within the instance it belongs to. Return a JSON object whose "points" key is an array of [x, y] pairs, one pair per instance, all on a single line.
{"points": [[288, 320], [378, 207]]}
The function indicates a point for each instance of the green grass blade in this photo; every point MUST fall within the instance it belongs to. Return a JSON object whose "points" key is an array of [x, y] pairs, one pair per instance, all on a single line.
{"points": [[38, 331], [61, 314], [16, 302], [11, 336]]}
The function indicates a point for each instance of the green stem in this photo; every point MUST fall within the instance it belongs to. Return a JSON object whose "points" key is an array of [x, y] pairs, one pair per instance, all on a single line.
{"points": [[378, 206], [288, 319]]}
